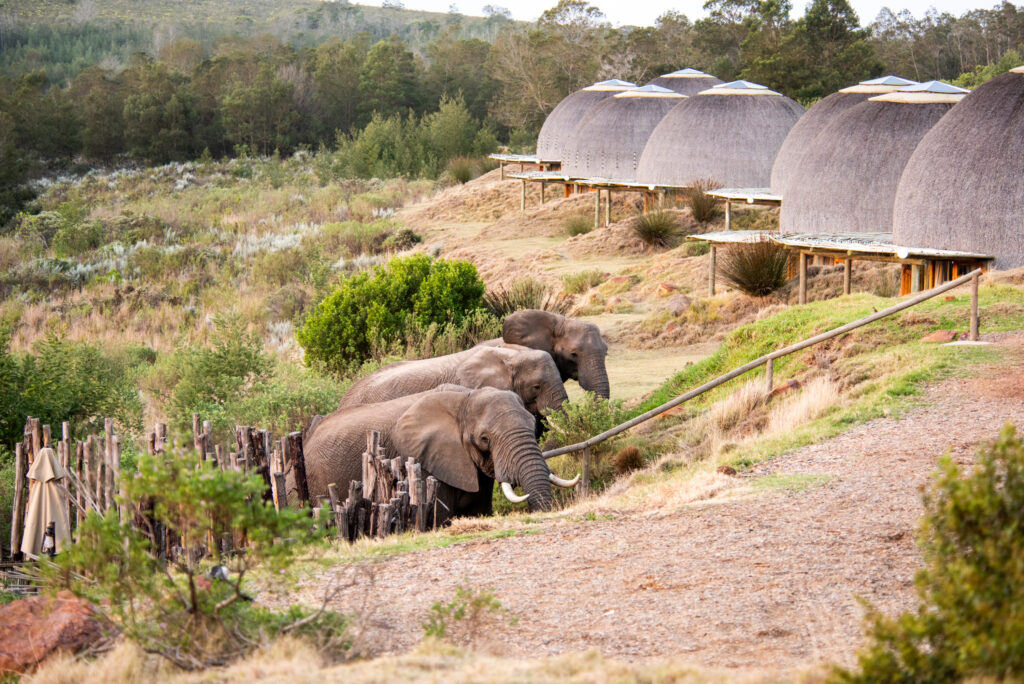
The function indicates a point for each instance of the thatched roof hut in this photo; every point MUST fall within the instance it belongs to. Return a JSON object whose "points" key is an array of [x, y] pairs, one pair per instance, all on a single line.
{"points": [[686, 81], [846, 181], [817, 117], [609, 140], [562, 120], [962, 187], [729, 133]]}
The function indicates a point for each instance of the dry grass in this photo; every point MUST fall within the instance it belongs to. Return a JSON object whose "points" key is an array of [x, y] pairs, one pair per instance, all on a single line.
{"points": [[815, 398]]}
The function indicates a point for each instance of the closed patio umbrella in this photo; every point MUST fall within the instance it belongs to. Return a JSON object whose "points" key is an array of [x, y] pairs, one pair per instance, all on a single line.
{"points": [[46, 504]]}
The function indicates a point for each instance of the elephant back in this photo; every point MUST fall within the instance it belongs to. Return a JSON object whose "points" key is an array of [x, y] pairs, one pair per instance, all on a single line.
{"points": [[402, 379]]}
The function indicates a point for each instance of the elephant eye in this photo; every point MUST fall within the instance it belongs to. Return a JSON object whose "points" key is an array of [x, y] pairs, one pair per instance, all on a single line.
{"points": [[485, 439], [536, 387]]}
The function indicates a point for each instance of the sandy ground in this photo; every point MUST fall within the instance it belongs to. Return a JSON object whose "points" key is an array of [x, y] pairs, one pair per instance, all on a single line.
{"points": [[765, 574]]}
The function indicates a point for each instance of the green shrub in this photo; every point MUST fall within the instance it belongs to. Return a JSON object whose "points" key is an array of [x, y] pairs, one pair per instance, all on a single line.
{"points": [[353, 238], [578, 283], [286, 399], [42, 226], [578, 421], [656, 228], [287, 302], [525, 293], [578, 225], [522, 140], [183, 614], [427, 341], [462, 169], [467, 616], [703, 207], [969, 623], [75, 238], [402, 240], [755, 268], [368, 314], [696, 248], [280, 266]]}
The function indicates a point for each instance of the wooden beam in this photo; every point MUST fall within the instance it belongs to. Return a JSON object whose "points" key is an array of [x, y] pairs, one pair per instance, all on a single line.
{"points": [[803, 279], [847, 274], [712, 265], [543, 185], [597, 208], [608, 207], [769, 375], [522, 198], [728, 215]]}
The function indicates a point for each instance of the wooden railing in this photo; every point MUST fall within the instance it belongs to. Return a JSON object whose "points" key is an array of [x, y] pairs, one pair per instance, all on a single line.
{"points": [[768, 360]]}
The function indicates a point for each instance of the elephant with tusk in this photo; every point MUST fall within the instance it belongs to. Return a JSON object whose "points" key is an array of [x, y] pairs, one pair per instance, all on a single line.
{"points": [[530, 373], [466, 438], [576, 346]]}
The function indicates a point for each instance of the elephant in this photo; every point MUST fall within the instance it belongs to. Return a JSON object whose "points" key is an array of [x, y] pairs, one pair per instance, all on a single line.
{"points": [[576, 346], [466, 438], [530, 373]]}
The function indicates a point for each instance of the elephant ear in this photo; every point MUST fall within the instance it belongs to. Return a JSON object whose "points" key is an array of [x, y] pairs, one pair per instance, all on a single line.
{"points": [[430, 432], [531, 328], [487, 367]]}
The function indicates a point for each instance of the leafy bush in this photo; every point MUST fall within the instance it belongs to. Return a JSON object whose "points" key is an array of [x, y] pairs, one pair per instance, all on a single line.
{"points": [[656, 228], [696, 248], [402, 240], [280, 266], [186, 614], [466, 617], [578, 225], [369, 313], [755, 268], [578, 283], [703, 207], [578, 421], [426, 341], [969, 623], [75, 238], [353, 238], [525, 293], [42, 226], [287, 302], [462, 169]]}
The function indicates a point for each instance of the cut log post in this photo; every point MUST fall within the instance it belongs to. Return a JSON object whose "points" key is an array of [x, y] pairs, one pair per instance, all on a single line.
{"points": [[297, 461], [218, 457], [975, 322], [803, 279], [431, 501], [207, 441], [608, 207], [197, 433], [114, 479], [80, 471], [37, 439], [18, 509], [353, 508], [396, 469], [88, 468], [712, 267], [340, 520], [65, 463], [597, 208], [847, 275], [769, 375], [46, 435], [161, 437], [279, 493]]}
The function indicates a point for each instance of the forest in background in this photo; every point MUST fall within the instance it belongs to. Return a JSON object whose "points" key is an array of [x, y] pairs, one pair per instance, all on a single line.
{"points": [[102, 82]]}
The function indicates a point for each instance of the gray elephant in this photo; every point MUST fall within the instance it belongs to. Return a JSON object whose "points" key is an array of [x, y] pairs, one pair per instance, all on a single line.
{"points": [[576, 346], [530, 373], [465, 438]]}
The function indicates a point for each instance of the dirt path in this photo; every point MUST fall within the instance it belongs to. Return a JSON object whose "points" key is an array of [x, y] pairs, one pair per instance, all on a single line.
{"points": [[766, 577]]}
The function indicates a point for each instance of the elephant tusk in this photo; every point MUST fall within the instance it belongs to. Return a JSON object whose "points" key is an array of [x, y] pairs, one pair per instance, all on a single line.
{"points": [[506, 489], [555, 480]]}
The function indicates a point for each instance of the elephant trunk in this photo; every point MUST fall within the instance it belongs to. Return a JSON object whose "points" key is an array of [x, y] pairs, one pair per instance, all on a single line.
{"points": [[593, 377], [519, 461], [554, 398]]}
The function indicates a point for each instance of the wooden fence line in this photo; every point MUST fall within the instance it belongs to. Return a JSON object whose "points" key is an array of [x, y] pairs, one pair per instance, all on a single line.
{"points": [[768, 361]]}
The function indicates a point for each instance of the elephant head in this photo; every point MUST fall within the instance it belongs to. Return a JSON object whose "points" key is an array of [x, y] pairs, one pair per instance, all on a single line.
{"points": [[458, 435], [576, 346], [530, 373]]}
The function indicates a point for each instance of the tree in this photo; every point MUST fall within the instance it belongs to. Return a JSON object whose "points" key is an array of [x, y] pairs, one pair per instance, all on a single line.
{"points": [[260, 114], [160, 116], [458, 68], [99, 97], [389, 80], [335, 66]]}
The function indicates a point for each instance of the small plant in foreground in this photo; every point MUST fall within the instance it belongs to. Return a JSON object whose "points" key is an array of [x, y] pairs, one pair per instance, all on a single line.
{"points": [[703, 207], [578, 225], [462, 169], [656, 228], [466, 617], [969, 623], [525, 293], [627, 459], [756, 268]]}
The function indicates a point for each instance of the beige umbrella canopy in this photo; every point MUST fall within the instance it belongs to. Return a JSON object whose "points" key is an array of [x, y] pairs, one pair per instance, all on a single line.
{"points": [[46, 504]]}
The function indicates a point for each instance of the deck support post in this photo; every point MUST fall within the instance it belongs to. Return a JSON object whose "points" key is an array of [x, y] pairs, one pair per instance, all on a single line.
{"points": [[608, 207], [501, 167], [522, 198], [728, 215], [974, 309], [712, 258], [661, 200], [803, 279], [597, 208], [769, 374], [542, 186], [847, 275], [915, 278]]}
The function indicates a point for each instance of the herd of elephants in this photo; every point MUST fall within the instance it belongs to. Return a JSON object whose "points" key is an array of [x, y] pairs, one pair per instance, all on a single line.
{"points": [[470, 418]]}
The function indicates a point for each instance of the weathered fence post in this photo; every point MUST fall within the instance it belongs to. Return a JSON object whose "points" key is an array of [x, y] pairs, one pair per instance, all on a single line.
{"points": [[769, 374], [80, 471], [585, 480], [18, 518], [295, 459], [109, 481]]}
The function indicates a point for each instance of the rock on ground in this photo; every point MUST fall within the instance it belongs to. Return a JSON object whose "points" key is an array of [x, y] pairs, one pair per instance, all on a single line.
{"points": [[32, 629]]}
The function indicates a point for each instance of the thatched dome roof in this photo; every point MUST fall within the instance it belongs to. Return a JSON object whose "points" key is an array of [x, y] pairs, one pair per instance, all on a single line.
{"points": [[846, 181], [817, 117], [609, 140], [729, 134], [686, 81], [562, 120], [962, 187]]}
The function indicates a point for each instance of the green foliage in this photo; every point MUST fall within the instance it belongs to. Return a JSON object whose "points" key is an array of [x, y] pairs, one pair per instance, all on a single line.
{"points": [[466, 616], [580, 420], [178, 612], [401, 240], [369, 313], [460, 169], [352, 238], [578, 225], [703, 207], [525, 293], [656, 228], [434, 339], [973, 79], [756, 268], [580, 282], [73, 239], [969, 623]]}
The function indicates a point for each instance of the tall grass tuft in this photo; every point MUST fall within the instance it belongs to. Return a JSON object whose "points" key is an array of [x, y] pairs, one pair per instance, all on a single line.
{"points": [[656, 228], [463, 169], [703, 207], [578, 283], [578, 225], [756, 268], [525, 293]]}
